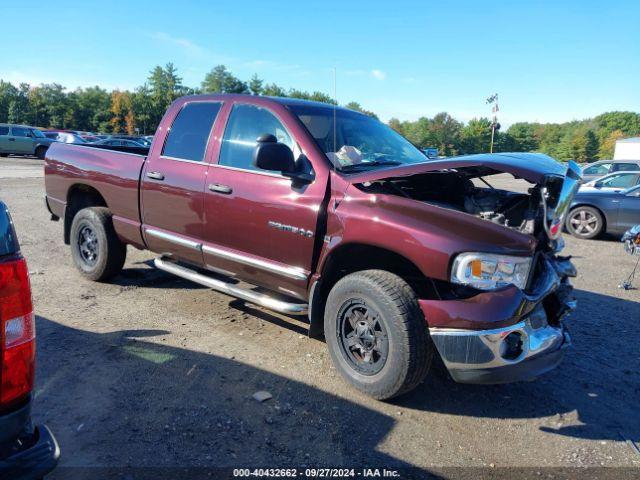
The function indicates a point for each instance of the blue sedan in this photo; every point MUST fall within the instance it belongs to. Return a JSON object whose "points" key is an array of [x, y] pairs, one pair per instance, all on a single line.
{"points": [[594, 212]]}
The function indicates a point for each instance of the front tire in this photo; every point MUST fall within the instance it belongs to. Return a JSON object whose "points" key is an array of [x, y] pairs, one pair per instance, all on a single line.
{"points": [[376, 333], [585, 222], [96, 249]]}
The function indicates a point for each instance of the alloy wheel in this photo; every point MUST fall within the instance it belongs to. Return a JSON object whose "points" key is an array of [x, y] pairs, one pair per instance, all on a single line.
{"points": [[583, 222], [362, 337]]}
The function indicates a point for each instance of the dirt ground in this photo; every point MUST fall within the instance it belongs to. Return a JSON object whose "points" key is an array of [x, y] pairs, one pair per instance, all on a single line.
{"points": [[151, 370]]}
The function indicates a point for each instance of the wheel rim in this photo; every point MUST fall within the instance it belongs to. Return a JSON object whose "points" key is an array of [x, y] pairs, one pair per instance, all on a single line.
{"points": [[583, 222], [362, 337], [88, 245]]}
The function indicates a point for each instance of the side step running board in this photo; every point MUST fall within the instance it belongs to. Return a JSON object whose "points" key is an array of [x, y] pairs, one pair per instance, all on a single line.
{"points": [[230, 289]]}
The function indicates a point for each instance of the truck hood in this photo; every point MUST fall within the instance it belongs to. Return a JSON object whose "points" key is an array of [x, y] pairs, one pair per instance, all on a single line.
{"points": [[555, 187], [533, 167]]}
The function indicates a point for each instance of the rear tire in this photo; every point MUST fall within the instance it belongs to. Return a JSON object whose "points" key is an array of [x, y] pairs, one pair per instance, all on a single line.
{"points": [[585, 222], [4, 154], [41, 152], [376, 333], [96, 249]]}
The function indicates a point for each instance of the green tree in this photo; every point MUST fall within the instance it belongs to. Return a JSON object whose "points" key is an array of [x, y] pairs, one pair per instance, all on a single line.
{"points": [[358, 108], [164, 86], [524, 136], [608, 145], [591, 146], [221, 80], [273, 90], [475, 136], [8, 94], [445, 132], [255, 85]]}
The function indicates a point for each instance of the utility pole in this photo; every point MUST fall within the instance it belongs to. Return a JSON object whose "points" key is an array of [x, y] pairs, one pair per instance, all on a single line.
{"points": [[493, 100]]}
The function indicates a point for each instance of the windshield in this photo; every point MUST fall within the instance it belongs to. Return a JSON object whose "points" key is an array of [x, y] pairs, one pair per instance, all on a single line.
{"points": [[37, 133], [360, 142]]}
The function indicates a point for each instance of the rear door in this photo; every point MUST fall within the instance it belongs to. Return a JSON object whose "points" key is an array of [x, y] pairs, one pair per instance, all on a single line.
{"points": [[260, 226], [173, 180], [21, 141]]}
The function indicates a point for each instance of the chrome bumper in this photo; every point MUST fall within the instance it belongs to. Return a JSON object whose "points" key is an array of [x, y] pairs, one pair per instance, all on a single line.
{"points": [[488, 356]]}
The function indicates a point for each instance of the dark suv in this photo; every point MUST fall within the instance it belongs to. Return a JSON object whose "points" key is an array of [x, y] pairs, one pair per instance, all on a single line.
{"points": [[26, 452]]}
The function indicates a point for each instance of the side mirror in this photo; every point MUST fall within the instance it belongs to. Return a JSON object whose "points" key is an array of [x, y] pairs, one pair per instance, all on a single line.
{"points": [[598, 184], [271, 155]]}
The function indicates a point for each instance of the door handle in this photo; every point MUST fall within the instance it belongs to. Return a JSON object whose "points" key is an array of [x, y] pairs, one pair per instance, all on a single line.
{"points": [[156, 175], [12, 139], [219, 188]]}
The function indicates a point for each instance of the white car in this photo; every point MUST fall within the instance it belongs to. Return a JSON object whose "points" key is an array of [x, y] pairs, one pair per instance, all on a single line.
{"points": [[613, 181]]}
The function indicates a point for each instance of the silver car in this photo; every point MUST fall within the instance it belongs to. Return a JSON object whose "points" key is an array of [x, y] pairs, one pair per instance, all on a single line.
{"points": [[603, 167]]}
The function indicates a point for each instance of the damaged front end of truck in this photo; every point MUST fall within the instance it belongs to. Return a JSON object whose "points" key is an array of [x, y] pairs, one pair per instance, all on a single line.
{"points": [[499, 318]]}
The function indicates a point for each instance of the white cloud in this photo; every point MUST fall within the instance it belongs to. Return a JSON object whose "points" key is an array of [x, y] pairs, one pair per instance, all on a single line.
{"points": [[187, 45], [378, 74]]}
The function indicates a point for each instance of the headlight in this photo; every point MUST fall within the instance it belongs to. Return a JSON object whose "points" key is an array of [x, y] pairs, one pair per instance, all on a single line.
{"points": [[487, 271]]}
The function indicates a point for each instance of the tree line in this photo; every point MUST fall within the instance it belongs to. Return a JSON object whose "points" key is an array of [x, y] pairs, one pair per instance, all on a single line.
{"points": [[140, 111]]}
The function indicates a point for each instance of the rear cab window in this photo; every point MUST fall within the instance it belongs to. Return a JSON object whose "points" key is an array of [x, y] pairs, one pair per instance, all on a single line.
{"points": [[189, 134], [4, 130]]}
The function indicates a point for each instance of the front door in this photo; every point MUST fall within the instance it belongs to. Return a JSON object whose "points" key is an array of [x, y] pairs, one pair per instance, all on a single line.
{"points": [[629, 210], [173, 181], [259, 225]]}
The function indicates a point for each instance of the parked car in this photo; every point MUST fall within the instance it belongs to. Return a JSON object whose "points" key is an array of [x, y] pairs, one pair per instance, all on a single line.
{"points": [[594, 212], [22, 140], [601, 168], [395, 258], [25, 451], [614, 181], [118, 142], [65, 137], [140, 140]]}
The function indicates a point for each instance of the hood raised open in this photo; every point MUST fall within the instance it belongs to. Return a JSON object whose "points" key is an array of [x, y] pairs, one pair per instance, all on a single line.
{"points": [[459, 184]]}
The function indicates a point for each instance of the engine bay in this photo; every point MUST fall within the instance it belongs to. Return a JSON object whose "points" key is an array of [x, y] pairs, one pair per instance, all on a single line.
{"points": [[469, 190]]}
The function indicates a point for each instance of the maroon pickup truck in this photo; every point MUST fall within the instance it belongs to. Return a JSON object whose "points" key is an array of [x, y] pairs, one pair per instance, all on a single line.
{"points": [[309, 209]]}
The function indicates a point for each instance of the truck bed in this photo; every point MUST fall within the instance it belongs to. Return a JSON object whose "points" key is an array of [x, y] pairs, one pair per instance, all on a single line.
{"points": [[114, 174]]}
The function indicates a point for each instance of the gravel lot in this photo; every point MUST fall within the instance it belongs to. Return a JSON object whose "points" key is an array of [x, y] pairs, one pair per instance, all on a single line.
{"points": [[152, 370]]}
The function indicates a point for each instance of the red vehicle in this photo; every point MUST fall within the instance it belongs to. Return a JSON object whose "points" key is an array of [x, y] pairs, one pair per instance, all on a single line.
{"points": [[394, 257], [26, 452]]}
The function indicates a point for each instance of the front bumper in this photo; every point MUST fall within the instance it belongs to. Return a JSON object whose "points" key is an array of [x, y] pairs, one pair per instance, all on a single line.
{"points": [[484, 357], [527, 337]]}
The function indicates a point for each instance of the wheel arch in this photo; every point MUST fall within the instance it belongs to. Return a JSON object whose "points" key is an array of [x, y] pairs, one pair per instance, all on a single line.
{"points": [[80, 196], [353, 257]]}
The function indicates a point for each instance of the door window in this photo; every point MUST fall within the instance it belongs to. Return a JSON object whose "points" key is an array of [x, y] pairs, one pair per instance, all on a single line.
{"points": [[625, 167], [619, 181], [600, 169], [246, 123], [4, 130], [20, 132], [189, 133]]}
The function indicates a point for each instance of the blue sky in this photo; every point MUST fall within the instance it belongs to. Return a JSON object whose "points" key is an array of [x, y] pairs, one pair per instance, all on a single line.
{"points": [[548, 60]]}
